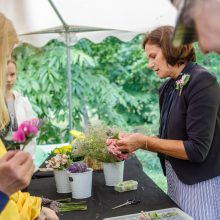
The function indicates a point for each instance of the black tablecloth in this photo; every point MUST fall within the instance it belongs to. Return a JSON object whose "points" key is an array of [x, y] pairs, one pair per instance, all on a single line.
{"points": [[105, 197]]}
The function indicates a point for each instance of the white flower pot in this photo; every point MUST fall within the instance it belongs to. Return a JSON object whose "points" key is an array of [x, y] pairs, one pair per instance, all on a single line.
{"points": [[81, 184], [113, 173], [62, 181]]}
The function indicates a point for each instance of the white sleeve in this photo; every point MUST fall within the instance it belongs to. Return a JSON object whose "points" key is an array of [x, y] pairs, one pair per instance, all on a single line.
{"points": [[24, 112]]}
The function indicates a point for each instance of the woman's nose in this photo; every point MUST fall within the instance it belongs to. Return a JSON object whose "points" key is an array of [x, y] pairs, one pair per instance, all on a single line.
{"points": [[150, 64], [8, 78]]}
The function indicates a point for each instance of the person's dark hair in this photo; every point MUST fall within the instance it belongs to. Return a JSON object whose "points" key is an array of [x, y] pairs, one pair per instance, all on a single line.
{"points": [[176, 3], [162, 37]]}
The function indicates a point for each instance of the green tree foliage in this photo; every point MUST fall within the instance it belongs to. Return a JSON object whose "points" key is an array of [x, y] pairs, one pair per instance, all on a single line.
{"points": [[42, 77], [125, 65], [210, 62], [103, 80], [110, 81]]}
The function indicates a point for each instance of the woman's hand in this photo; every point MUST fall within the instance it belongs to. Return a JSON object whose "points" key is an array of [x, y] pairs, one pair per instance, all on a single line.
{"points": [[47, 214], [131, 142], [16, 170]]}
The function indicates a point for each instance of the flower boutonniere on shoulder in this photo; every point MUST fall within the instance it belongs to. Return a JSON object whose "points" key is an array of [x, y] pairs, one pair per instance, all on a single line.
{"points": [[182, 82]]}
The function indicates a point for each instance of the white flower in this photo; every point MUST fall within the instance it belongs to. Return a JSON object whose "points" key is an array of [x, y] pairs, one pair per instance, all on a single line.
{"points": [[182, 82]]}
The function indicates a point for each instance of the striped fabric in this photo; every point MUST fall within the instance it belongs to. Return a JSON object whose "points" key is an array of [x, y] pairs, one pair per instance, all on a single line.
{"points": [[200, 200], [184, 35], [185, 32]]}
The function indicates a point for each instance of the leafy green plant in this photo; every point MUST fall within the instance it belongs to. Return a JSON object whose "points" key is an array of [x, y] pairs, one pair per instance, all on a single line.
{"points": [[94, 143], [110, 81]]}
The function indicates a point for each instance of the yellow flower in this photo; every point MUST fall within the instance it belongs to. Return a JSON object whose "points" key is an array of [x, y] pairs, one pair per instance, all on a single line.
{"points": [[78, 135], [63, 150]]}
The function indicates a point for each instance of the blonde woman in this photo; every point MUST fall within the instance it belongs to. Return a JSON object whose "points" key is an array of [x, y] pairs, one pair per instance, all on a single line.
{"points": [[16, 168], [19, 109]]}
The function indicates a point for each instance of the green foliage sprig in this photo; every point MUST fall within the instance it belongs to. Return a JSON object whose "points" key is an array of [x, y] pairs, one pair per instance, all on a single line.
{"points": [[94, 143]]}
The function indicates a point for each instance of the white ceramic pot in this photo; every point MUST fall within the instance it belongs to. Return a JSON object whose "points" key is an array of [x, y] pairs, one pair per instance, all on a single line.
{"points": [[81, 184], [62, 181], [113, 173]]}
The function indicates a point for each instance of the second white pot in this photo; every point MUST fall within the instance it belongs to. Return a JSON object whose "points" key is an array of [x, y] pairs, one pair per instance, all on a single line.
{"points": [[81, 184], [113, 173]]}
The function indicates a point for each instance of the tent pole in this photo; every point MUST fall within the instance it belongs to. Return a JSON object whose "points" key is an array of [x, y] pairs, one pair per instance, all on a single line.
{"points": [[58, 14], [68, 63]]}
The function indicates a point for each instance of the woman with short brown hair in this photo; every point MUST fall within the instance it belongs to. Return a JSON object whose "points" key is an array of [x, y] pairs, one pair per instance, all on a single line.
{"points": [[173, 55], [189, 139]]}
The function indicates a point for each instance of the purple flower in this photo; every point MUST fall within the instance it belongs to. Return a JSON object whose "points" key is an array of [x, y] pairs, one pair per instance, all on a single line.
{"points": [[54, 205], [78, 167]]}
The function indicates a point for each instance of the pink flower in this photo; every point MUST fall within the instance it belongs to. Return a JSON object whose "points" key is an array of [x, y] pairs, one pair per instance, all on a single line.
{"points": [[24, 125], [30, 127], [19, 136], [112, 148], [31, 130], [110, 141], [27, 131]]}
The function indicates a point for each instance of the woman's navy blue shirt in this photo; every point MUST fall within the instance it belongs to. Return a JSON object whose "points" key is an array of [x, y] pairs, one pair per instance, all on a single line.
{"points": [[194, 117]]}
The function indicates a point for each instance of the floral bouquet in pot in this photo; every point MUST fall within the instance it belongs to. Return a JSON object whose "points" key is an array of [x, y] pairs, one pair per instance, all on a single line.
{"points": [[80, 177], [59, 163], [78, 167], [69, 151], [99, 144]]}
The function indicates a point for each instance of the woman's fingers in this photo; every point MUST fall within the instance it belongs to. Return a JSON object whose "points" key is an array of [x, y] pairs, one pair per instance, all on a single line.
{"points": [[123, 135], [49, 214], [20, 158], [23, 163], [119, 143], [122, 146], [131, 142], [8, 156]]}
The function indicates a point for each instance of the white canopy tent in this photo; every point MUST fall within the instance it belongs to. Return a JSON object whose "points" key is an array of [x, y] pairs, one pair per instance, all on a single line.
{"points": [[38, 21]]}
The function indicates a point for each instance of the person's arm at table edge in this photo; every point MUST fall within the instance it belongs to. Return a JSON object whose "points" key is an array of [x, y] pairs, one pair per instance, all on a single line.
{"points": [[173, 148]]}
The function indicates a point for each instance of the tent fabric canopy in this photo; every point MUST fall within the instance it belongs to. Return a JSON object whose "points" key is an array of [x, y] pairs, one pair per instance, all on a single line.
{"points": [[125, 18], [39, 21]]}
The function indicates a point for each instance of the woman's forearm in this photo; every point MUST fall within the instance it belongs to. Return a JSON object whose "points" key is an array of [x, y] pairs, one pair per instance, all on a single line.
{"points": [[173, 148]]}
